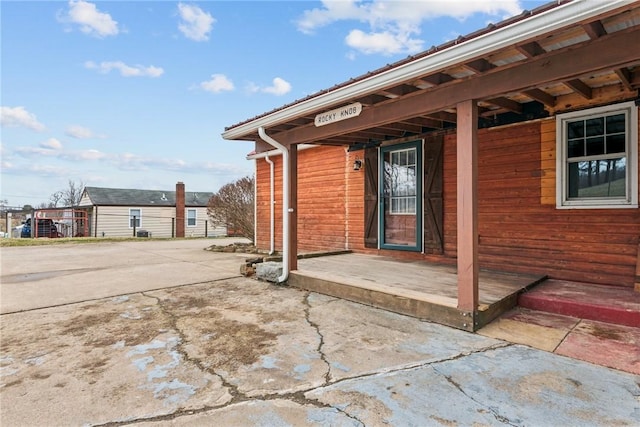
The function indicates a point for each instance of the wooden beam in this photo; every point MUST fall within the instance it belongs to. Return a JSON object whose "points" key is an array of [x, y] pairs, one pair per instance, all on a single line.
{"points": [[531, 50], [479, 66], [507, 104], [606, 53], [541, 96], [467, 206], [437, 79], [594, 29], [400, 90], [445, 116], [404, 127], [372, 99], [580, 87], [377, 133], [425, 122], [625, 77]]}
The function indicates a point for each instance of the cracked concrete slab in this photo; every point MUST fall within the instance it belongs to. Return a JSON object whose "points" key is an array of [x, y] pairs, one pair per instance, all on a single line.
{"points": [[237, 351], [260, 413], [369, 340], [513, 385], [91, 363]]}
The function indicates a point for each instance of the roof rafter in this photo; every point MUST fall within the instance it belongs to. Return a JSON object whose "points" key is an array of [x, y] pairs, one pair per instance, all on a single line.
{"points": [[625, 77], [606, 53], [594, 29], [580, 87], [531, 49], [506, 103], [541, 96]]}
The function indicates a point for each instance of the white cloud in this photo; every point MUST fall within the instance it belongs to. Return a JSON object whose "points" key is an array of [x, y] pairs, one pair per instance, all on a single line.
{"points": [[86, 155], [195, 23], [218, 83], [51, 143], [252, 87], [384, 42], [19, 117], [30, 152], [392, 26], [125, 70], [90, 19], [46, 170], [279, 87], [81, 132], [52, 158]]}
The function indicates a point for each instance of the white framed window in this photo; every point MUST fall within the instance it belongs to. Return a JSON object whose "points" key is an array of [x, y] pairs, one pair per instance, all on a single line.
{"points": [[597, 158], [135, 218], [191, 218]]}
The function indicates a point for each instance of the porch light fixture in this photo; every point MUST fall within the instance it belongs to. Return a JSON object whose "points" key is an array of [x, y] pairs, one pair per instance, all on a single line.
{"points": [[357, 164]]}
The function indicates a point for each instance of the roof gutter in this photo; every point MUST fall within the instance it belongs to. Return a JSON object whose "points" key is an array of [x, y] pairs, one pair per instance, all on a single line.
{"points": [[546, 22], [285, 201]]}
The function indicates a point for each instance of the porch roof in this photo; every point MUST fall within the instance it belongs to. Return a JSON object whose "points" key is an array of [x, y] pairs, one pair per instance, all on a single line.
{"points": [[526, 67]]}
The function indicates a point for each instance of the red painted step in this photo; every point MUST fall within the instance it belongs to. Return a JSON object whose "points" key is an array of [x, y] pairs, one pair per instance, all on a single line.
{"points": [[611, 304]]}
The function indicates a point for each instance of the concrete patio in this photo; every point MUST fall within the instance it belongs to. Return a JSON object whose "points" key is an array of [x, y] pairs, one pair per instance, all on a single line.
{"points": [[236, 351]]}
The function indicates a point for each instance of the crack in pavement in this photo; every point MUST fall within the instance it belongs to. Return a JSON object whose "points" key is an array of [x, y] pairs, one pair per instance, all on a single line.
{"points": [[236, 395], [298, 397], [323, 357], [492, 411]]}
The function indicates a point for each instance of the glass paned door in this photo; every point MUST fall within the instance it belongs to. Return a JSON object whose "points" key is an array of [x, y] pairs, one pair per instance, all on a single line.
{"points": [[401, 195]]}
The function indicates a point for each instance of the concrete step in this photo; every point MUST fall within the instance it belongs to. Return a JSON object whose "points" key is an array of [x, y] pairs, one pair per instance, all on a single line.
{"points": [[606, 344], [610, 304]]}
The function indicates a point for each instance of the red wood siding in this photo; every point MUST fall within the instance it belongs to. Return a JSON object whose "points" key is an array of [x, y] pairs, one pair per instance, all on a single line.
{"points": [[520, 228], [322, 194]]}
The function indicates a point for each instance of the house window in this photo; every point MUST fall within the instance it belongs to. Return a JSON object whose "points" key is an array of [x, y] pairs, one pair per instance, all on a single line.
{"points": [[191, 217], [400, 176], [135, 218], [597, 160]]}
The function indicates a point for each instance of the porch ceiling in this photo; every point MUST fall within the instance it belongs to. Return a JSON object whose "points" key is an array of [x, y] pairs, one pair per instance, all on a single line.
{"points": [[583, 64]]}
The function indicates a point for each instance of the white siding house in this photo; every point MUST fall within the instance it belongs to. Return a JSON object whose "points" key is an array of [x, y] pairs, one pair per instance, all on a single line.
{"points": [[119, 212]]}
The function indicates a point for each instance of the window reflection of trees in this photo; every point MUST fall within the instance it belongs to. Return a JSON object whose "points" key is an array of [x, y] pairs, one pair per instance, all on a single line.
{"points": [[400, 181], [596, 149]]}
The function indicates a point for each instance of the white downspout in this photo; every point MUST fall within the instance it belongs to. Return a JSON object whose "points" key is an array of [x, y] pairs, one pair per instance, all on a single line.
{"points": [[272, 206], [255, 205], [285, 201]]}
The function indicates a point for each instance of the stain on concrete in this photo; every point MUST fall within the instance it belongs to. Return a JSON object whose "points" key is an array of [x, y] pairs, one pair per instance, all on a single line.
{"points": [[42, 275], [604, 332], [115, 323]]}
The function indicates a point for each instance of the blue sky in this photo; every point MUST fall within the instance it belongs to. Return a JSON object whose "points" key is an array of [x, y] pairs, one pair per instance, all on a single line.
{"points": [[136, 94]]}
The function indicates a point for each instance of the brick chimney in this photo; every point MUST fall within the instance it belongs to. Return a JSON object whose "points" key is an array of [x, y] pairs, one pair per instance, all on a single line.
{"points": [[180, 209]]}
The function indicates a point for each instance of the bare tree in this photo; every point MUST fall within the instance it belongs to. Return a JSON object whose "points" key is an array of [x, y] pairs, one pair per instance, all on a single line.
{"points": [[72, 195], [55, 199], [232, 206], [44, 205]]}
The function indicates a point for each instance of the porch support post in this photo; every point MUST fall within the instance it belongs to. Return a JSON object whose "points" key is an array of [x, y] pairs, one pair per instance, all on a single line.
{"points": [[467, 205], [293, 207]]}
